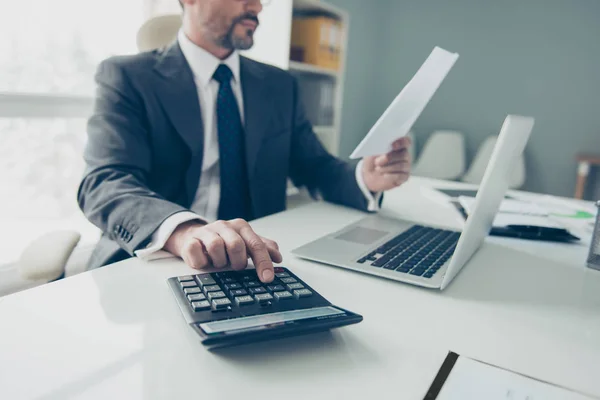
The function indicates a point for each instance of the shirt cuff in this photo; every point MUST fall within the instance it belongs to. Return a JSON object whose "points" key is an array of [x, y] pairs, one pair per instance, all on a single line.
{"points": [[372, 199], [154, 250]]}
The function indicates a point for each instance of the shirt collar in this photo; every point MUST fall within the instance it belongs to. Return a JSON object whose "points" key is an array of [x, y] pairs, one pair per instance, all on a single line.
{"points": [[204, 64]]}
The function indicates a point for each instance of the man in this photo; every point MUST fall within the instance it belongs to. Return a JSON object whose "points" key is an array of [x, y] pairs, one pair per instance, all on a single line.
{"points": [[188, 143]]}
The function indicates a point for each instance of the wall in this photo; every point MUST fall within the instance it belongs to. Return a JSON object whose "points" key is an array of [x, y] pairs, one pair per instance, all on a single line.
{"points": [[362, 70], [533, 57]]}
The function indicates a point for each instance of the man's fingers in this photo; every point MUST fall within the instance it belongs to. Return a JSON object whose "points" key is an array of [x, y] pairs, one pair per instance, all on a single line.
{"points": [[392, 157], [395, 168], [235, 247], [193, 254], [215, 247], [259, 253], [273, 249], [402, 143]]}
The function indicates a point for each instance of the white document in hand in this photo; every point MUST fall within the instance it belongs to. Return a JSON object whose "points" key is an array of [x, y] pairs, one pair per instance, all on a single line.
{"points": [[401, 115]]}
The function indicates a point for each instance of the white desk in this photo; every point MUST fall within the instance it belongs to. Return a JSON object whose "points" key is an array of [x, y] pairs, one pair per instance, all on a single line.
{"points": [[117, 333]]}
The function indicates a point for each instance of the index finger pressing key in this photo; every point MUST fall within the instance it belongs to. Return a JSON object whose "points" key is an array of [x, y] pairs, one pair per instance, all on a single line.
{"points": [[259, 253]]}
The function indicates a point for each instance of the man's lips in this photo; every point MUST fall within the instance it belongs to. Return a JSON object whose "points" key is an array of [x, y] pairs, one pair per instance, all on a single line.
{"points": [[247, 23]]}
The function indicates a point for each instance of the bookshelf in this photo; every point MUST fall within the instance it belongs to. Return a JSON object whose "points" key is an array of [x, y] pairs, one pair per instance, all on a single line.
{"points": [[272, 46]]}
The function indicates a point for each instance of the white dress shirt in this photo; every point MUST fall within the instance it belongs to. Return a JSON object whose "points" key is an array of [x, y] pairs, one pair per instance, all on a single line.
{"points": [[206, 202]]}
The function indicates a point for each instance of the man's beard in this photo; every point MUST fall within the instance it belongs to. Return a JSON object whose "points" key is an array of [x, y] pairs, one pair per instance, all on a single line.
{"points": [[232, 42]]}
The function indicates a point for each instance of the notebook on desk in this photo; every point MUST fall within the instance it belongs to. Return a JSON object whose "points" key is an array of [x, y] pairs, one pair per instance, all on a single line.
{"points": [[463, 378]]}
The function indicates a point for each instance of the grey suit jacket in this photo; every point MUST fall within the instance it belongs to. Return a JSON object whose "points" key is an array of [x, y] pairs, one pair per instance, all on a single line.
{"points": [[145, 148]]}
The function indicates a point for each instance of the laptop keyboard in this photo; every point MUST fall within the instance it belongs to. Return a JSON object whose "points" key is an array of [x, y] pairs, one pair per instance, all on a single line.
{"points": [[419, 251]]}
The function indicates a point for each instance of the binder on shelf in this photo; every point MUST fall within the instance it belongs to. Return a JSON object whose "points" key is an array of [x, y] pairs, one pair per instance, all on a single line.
{"points": [[317, 40]]}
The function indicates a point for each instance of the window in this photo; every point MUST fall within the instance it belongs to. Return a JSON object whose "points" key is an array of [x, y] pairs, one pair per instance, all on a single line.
{"points": [[49, 52]]}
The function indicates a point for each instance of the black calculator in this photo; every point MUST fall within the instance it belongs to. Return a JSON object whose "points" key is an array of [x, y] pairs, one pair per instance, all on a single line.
{"points": [[234, 307]]}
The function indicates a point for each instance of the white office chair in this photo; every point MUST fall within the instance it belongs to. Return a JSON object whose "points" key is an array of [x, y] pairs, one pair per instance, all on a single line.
{"points": [[442, 157], [45, 258], [477, 169], [158, 32]]}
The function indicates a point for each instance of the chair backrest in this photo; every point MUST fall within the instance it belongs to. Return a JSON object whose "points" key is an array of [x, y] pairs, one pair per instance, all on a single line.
{"points": [[442, 157], [477, 169], [158, 32]]}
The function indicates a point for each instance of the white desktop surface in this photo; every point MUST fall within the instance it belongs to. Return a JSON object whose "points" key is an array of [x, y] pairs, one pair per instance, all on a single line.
{"points": [[117, 332]]}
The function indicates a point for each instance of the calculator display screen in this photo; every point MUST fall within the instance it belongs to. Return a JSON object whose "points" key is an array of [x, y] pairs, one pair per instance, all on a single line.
{"points": [[267, 320]]}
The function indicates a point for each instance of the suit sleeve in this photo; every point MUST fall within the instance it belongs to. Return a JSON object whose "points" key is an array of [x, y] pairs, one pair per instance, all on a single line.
{"points": [[312, 166], [114, 193]]}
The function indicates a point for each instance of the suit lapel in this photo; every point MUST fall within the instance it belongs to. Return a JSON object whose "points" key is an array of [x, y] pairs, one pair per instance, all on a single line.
{"points": [[178, 95], [257, 109]]}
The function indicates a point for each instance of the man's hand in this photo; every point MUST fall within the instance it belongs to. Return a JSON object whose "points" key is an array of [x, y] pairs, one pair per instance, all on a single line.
{"points": [[224, 244], [388, 171]]}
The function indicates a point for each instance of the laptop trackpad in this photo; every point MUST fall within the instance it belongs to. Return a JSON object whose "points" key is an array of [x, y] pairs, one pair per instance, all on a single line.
{"points": [[362, 235]]}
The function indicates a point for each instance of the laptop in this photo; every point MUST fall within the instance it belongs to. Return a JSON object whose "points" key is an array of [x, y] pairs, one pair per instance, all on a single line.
{"points": [[425, 255]]}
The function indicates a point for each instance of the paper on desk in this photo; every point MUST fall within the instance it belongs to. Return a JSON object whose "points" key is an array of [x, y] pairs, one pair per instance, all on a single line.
{"points": [[474, 380], [514, 212], [402, 113], [510, 206], [503, 220]]}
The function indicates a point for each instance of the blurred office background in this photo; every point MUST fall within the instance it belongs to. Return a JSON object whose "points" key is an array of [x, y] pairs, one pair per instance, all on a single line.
{"points": [[533, 57]]}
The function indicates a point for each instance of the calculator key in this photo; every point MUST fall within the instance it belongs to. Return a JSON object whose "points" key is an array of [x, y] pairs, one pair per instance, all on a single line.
{"points": [[283, 295], [264, 297], [206, 280], [221, 304], [251, 284], [229, 281], [302, 293], [244, 300], [195, 290], [215, 295], [257, 290], [212, 288], [239, 292], [278, 270], [185, 278], [245, 277], [188, 284], [196, 297], [276, 288], [201, 305], [282, 275], [288, 280], [233, 286], [294, 286]]}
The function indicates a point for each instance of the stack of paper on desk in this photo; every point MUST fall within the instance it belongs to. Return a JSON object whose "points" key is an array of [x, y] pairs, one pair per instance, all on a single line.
{"points": [[401, 115], [514, 212]]}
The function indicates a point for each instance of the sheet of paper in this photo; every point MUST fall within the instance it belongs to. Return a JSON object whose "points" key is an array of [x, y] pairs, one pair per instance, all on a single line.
{"points": [[503, 220], [515, 212], [401, 115], [474, 380], [511, 206]]}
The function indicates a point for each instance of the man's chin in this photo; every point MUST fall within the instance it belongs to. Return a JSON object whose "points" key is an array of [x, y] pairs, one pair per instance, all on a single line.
{"points": [[243, 43]]}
